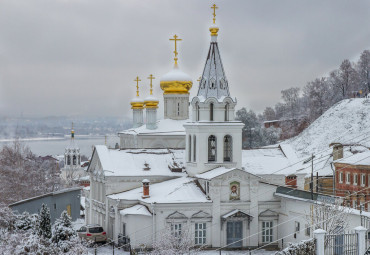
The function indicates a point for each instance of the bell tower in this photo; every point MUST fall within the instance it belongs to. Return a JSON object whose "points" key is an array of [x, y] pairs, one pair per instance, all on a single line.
{"points": [[213, 137]]}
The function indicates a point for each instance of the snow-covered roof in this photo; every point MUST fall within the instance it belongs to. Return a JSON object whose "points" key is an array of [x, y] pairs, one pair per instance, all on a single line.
{"points": [[359, 159], [136, 210], [269, 160], [214, 173], [131, 162], [179, 190], [164, 127], [343, 123]]}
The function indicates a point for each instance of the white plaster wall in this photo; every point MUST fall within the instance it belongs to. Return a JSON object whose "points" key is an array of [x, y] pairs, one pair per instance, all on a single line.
{"points": [[151, 141]]}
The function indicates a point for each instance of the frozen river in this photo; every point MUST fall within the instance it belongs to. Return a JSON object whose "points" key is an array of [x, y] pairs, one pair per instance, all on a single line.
{"points": [[56, 146]]}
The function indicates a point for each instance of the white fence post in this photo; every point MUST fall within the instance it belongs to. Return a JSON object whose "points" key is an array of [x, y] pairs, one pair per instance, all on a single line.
{"points": [[319, 235], [361, 239]]}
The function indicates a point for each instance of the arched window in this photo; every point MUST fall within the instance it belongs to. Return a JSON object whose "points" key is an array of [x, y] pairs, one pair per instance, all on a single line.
{"points": [[69, 160], [74, 160], [195, 149], [212, 149], [197, 111], [189, 152], [178, 109], [228, 148], [211, 112], [227, 112]]}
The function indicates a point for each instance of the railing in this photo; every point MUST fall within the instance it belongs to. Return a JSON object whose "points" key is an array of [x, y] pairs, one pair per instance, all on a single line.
{"points": [[341, 244]]}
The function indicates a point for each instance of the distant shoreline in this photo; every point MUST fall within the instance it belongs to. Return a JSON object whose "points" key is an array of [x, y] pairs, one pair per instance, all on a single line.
{"points": [[66, 137]]}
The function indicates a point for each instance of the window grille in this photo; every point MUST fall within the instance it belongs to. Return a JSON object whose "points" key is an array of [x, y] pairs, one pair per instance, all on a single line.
{"points": [[211, 112], [212, 149]]}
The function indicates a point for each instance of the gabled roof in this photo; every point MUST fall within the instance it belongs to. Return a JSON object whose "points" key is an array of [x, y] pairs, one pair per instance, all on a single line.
{"points": [[138, 162], [136, 210], [179, 190]]}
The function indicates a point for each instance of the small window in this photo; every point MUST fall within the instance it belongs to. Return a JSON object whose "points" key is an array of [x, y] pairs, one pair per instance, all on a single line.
{"points": [[211, 112], [341, 177], [228, 148], [178, 109], [69, 160], [227, 112], [363, 180], [355, 179], [189, 146], [348, 178], [297, 226], [74, 160], [308, 230], [69, 210], [176, 229], [195, 149]]}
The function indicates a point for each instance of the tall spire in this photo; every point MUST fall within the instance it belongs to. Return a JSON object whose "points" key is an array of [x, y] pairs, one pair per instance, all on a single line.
{"points": [[213, 82]]}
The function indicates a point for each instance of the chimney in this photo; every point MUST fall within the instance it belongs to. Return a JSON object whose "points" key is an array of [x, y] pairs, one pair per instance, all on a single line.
{"points": [[337, 150], [146, 183]]}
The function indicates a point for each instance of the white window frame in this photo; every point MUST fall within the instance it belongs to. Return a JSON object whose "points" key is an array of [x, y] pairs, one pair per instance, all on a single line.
{"points": [[355, 179], [363, 180], [307, 230], [200, 233], [267, 231], [297, 226], [341, 176], [348, 177], [176, 229]]}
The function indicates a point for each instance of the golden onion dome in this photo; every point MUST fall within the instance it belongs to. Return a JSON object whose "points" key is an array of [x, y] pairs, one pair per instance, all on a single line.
{"points": [[137, 103], [213, 29], [151, 102], [176, 82]]}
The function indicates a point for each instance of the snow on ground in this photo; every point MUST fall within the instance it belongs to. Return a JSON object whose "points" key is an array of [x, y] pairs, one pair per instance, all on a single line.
{"points": [[105, 250], [343, 123]]}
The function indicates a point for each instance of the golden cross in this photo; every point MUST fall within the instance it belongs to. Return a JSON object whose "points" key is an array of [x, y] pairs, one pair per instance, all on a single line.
{"points": [[151, 77], [137, 85], [214, 7], [175, 38]]}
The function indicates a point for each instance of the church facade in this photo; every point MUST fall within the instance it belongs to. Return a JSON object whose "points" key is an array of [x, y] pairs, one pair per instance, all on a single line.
{"points": [[191, 175]]}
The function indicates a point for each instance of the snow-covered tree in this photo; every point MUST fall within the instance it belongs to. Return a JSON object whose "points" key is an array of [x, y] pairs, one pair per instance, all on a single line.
{"points": [[63, 234], [44, 228], [363, 69]]}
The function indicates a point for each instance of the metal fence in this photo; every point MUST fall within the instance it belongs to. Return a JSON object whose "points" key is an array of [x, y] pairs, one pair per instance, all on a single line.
{"points": [[341, 244]]}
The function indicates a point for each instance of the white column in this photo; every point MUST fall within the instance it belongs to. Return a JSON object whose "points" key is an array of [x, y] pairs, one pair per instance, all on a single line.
{"points": [[319, 235], [361, 237]]}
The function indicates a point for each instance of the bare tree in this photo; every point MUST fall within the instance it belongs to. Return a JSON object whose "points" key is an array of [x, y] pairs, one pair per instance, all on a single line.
{"points": [[291, 98], [170, 243], [333, 218], [269, 114]]}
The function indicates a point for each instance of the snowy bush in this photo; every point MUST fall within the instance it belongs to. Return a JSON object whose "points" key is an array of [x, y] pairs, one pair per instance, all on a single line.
{"points": [[63, 235], [306, 247], [27, 221]]}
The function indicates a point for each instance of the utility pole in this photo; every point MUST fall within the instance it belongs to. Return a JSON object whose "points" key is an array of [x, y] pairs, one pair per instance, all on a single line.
{"points": [[311, 184]]}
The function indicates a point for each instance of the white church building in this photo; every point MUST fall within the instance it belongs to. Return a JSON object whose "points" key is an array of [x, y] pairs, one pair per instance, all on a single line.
{"points": [[191, 174]]}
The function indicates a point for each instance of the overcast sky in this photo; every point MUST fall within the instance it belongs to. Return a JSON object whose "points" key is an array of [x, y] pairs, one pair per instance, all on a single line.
{"points": [[80, 57]]}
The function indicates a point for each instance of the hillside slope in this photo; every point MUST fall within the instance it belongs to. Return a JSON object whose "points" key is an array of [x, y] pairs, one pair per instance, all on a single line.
{"points": [[346, 122]]}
